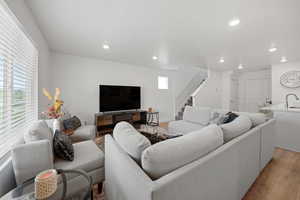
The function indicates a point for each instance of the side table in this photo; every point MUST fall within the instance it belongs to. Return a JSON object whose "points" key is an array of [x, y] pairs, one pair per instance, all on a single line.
{"points": [[25, 191], [153, 118]]}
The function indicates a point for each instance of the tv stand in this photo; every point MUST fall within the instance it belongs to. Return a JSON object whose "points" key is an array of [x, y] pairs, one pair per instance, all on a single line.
{"points": [[106, 121]]}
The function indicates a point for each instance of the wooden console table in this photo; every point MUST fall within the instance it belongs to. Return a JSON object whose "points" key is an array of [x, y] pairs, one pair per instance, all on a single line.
{"points": [[105, 122]]}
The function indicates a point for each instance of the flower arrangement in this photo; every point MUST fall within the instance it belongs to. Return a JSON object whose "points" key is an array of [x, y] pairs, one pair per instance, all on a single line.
{"points": [[54, 110]]}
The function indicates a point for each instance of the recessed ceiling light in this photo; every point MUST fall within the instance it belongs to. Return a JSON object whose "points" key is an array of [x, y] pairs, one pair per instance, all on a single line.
{"points": [[283, 59], [234, 22], [105, 46], [273, 49], [221, 60], [154, 57], [240, 66]]}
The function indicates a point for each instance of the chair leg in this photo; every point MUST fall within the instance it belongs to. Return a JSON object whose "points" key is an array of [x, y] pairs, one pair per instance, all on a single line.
{"points": [[100, 186], [92, 195]]}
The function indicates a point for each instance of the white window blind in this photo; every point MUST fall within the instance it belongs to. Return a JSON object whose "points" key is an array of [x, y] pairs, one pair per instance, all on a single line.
{"points": [[18, 81]]}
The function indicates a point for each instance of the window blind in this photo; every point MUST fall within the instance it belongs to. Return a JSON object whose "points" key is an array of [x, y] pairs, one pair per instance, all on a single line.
{"points": [[18, 81]]}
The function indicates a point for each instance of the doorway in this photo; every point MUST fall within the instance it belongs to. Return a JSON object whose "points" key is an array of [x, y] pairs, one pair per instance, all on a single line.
{"points": [[254, 89]]}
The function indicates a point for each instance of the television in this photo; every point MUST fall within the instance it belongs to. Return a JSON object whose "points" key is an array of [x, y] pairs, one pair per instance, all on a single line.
{"points": [[117, 98]]}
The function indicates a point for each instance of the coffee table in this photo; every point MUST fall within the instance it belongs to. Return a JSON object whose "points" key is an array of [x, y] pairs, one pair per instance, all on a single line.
{"points": [[156, 133]]}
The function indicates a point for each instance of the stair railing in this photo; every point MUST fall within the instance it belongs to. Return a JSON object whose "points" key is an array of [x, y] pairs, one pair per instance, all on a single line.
{"points": [[186, 93]]}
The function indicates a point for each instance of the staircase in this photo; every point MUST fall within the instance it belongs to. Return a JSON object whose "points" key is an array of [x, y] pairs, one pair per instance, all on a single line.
{"points": [[189, 102], [185, 98]]}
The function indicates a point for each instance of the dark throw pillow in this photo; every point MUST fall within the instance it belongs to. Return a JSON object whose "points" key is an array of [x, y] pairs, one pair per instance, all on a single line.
{"points": [[229, 117], [63, 147], [72, 124]]}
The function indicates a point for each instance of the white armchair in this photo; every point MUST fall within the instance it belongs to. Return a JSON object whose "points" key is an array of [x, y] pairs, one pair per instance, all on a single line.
{"points": [[36, 155]]}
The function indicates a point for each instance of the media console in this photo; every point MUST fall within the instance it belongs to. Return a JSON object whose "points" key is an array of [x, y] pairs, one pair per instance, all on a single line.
{"points": [[105, 122]]}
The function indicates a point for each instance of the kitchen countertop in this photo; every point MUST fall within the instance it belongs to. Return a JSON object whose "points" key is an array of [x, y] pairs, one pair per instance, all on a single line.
{"points": [[280, 108]]}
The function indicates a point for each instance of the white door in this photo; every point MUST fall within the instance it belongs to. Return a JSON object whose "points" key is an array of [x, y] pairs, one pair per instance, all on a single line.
{"points": [[257, 90], [234, 97], [254, 88]]}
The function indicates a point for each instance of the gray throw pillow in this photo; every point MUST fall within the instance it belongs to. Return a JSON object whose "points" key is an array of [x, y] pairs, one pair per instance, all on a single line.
{"points": [[63, 147], [229, 117], [72, 124]]}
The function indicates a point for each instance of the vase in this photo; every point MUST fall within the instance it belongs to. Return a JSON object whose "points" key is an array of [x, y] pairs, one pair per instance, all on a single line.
{"points": [[56, 125]]}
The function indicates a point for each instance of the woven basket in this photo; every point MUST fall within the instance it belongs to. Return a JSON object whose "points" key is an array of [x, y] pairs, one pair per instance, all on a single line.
{"points": [[45, 184]]}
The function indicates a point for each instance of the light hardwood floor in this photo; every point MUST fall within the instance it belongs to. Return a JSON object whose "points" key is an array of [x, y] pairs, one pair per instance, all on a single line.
{"points": [[280, 180]]}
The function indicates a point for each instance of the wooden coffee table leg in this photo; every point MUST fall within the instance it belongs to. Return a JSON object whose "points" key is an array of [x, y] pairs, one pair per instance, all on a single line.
{"points": [[100, 188]]}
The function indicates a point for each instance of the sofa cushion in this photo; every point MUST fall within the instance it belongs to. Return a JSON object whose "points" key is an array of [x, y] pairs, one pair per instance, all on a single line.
{"points": [[30, 159], [166, 156], [256, 118], [236, 128], [131, 141], [200, 115], [182, 127], [39, 130], [87, 132], [87, 156]]}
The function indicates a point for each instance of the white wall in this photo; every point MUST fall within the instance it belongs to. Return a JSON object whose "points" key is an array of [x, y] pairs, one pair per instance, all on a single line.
{"points": [[182, 77], [21, 11], [226, 89], [218, 90], [279, 91], [210, 91], [79, 80]]}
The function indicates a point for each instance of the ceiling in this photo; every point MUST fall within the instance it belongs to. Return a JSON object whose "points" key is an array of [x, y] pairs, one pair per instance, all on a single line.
{"points": [[180, 33]]}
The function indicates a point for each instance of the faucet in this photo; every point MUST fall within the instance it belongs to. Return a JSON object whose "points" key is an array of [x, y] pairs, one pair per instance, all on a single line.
{"points": [[287, 99]]}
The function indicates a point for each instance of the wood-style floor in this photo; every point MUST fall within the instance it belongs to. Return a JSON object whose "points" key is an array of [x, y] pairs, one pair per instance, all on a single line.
{"points": [[280, 180]]}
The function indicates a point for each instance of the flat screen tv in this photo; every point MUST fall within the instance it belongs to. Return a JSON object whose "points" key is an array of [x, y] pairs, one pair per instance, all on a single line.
{"points": [[116, 98]]}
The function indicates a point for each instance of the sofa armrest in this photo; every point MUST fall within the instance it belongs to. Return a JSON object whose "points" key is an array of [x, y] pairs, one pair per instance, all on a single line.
{"points": [[30, 159], [124, 178], [267, 142]]}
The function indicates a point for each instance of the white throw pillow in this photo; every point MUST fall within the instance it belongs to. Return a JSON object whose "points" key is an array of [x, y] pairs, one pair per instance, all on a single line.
{"points": [[131, 141], [236, 128], [165, 157], [200, 115], [256, 118], [39, 130]]}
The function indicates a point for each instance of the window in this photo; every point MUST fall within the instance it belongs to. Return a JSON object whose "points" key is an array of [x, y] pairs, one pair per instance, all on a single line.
{"points": [[163, 83], [18, 80]]}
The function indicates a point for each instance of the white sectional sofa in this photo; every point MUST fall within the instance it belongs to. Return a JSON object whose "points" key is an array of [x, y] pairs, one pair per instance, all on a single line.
{"points": [[195, 166], [194, 118]]}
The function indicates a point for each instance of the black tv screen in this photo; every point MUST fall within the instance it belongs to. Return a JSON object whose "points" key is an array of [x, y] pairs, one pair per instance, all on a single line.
{"points": [[114, 98]]}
